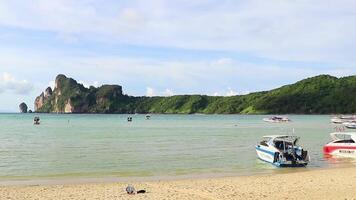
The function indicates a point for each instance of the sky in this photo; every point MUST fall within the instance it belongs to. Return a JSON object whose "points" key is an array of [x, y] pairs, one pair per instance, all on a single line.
{"points": [[170, 47]]}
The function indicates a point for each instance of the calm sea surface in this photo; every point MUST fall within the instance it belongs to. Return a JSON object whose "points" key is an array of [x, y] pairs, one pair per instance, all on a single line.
{"points": [[166, 145]]}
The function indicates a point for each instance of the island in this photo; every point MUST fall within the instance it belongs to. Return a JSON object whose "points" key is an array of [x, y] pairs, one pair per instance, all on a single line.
{"points": [[323, 94], [23, 107]]}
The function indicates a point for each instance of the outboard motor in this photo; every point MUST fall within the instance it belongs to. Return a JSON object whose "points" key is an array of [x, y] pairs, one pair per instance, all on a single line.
{"points": [[305, 156]]}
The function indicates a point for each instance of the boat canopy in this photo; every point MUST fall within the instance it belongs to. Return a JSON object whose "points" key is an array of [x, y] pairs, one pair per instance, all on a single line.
{"points": [[283, 138], [343, 136]]}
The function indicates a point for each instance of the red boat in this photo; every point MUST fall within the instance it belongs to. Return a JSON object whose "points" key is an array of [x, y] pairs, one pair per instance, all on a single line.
{"points": [[342, 144]]}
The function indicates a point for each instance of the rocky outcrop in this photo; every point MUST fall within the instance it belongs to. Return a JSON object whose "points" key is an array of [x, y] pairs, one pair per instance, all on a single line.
{"points": [[23, 107], [48, 92], [39, 101], [68, 107], [43, 98], [68, 96]]}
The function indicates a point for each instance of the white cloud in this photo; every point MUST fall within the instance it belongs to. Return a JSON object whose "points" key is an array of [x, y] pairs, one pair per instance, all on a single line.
{"points": [[203, 76], [283, 30], [52, 84], [150, 92], [231, 92], [239, 43], [222, 61], [9, 83], [216, 94], [87, 85], [168, 92]]}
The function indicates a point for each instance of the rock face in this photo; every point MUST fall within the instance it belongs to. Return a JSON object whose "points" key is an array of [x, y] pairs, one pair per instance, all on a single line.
{"points": [[69, 96], [48, 92], [23, 107], [39, 101]]}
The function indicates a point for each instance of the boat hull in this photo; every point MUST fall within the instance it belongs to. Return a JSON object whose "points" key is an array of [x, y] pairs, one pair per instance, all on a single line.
{"points": [[343, 150], [269, 156], [265, 155], [351, 127]]}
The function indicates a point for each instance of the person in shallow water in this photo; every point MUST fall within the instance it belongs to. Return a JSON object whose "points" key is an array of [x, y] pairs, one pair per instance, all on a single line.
{"points": [[36, 121]]}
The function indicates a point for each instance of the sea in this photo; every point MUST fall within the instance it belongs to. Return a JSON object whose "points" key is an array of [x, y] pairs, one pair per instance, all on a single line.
{"points": [[107, 145]]}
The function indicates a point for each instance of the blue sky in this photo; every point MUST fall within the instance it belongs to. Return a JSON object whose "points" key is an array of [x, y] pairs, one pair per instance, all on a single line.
{"points": [[156, 47]]}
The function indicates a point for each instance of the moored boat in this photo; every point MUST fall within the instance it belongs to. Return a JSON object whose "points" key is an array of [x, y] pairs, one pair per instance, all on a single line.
{"points": [[276, 119], [337, 120], [351, 125], [348, 117], [342, 144], [282, 151], [342, 119]]}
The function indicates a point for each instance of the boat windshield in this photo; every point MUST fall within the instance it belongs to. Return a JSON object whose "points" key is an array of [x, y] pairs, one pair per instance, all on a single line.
{"points": [[285, 142], [265, 141], [343, 136], [287, 139], [345, 141]]}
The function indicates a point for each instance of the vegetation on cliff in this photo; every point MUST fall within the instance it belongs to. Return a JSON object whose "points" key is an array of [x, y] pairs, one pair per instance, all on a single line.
{"points": [[319, 95]]}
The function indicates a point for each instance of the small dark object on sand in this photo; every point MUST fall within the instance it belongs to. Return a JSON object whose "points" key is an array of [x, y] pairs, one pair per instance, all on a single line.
{"points": [[141, 191], [131, 190]]}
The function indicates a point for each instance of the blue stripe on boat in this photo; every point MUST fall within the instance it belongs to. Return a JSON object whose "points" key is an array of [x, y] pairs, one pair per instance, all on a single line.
{"points": [[266, 151]]}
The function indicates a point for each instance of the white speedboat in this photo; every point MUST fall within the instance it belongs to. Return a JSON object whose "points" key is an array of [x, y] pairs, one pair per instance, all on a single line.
{"points": [[276, 119], [348, 117], [337, 120], [351, 125], [282, 151], [343, 119], [342, 144]]}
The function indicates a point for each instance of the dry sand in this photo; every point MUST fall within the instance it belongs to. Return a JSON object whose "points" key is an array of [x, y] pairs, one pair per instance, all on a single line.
{"points": [[339, 183]]}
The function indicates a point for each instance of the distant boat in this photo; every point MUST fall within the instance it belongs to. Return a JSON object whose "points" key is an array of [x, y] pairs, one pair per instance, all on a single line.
{"points": [[343, 118], [282, 151], [337, 120], [342, 144], [276, 119], [148, 117], [351, 124], [348, 117], [36, 120]]}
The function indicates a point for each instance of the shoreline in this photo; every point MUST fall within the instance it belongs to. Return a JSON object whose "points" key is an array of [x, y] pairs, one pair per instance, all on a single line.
{"points": [[330, 183], [68, 180], [72, 180]]}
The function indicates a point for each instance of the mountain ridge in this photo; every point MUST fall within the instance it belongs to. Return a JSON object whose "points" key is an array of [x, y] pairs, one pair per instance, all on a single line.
{"points": [[322, 94]]}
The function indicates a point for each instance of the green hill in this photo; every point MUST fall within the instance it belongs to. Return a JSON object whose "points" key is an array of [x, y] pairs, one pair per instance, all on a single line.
{"points": [[317, 95]]}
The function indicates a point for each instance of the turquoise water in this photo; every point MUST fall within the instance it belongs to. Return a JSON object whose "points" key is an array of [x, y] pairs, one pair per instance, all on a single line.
{"points": [[166, 145]]}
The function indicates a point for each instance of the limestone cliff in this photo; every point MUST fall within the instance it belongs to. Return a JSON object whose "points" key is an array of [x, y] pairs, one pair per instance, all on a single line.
{"points": [[23, 107], [68, 96]]}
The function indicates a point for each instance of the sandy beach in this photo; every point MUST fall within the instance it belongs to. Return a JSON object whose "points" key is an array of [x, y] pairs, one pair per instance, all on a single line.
{"points": [[337, 183]]}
